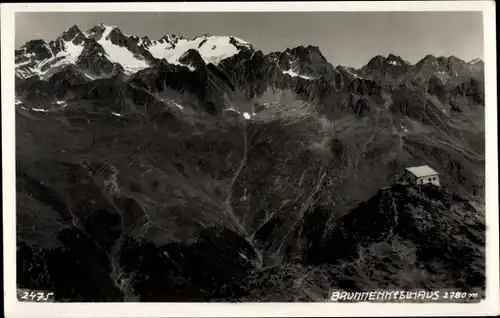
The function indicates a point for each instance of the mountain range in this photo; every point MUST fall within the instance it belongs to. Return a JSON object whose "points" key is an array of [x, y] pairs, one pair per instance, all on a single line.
{"points": [[202, 169]]}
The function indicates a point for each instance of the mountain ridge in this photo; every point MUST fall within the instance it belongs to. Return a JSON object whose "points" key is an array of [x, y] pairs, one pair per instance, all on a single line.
{"points": [[153, 47]]}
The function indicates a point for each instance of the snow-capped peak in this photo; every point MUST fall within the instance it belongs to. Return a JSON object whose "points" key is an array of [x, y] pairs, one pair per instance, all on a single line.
{"points": [[132, 52], [475, 61], [99, 29], [119, 54], [71, 32], [212, 48], [65, 53], [170, 37]]}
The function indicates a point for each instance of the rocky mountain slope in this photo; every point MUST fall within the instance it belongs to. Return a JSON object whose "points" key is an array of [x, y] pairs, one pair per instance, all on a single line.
{"points": [[205, 170]]}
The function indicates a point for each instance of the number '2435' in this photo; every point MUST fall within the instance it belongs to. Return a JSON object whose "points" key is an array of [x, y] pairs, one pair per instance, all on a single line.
{"points": [[36, 296]]}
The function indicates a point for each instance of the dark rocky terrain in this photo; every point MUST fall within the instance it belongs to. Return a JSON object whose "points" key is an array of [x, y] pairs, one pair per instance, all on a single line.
{"points": [[254, 178]]}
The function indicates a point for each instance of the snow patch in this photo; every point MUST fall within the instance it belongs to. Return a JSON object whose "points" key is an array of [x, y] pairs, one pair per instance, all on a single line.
{"points": [[121, 55], [23, 63], [179, 106], [116, 114], [295, 74], [72, 52], [190, 67], [403, 127], [246, 115], [90, 77], [352, 73], [40, 110], [232, 110], [173, 102]]}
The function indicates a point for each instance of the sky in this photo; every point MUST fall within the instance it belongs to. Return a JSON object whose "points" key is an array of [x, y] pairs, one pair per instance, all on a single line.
{"points": [[344, 38]]}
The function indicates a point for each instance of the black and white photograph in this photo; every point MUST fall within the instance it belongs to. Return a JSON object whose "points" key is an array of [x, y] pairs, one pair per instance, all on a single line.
{"points": [[196, 156]]}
